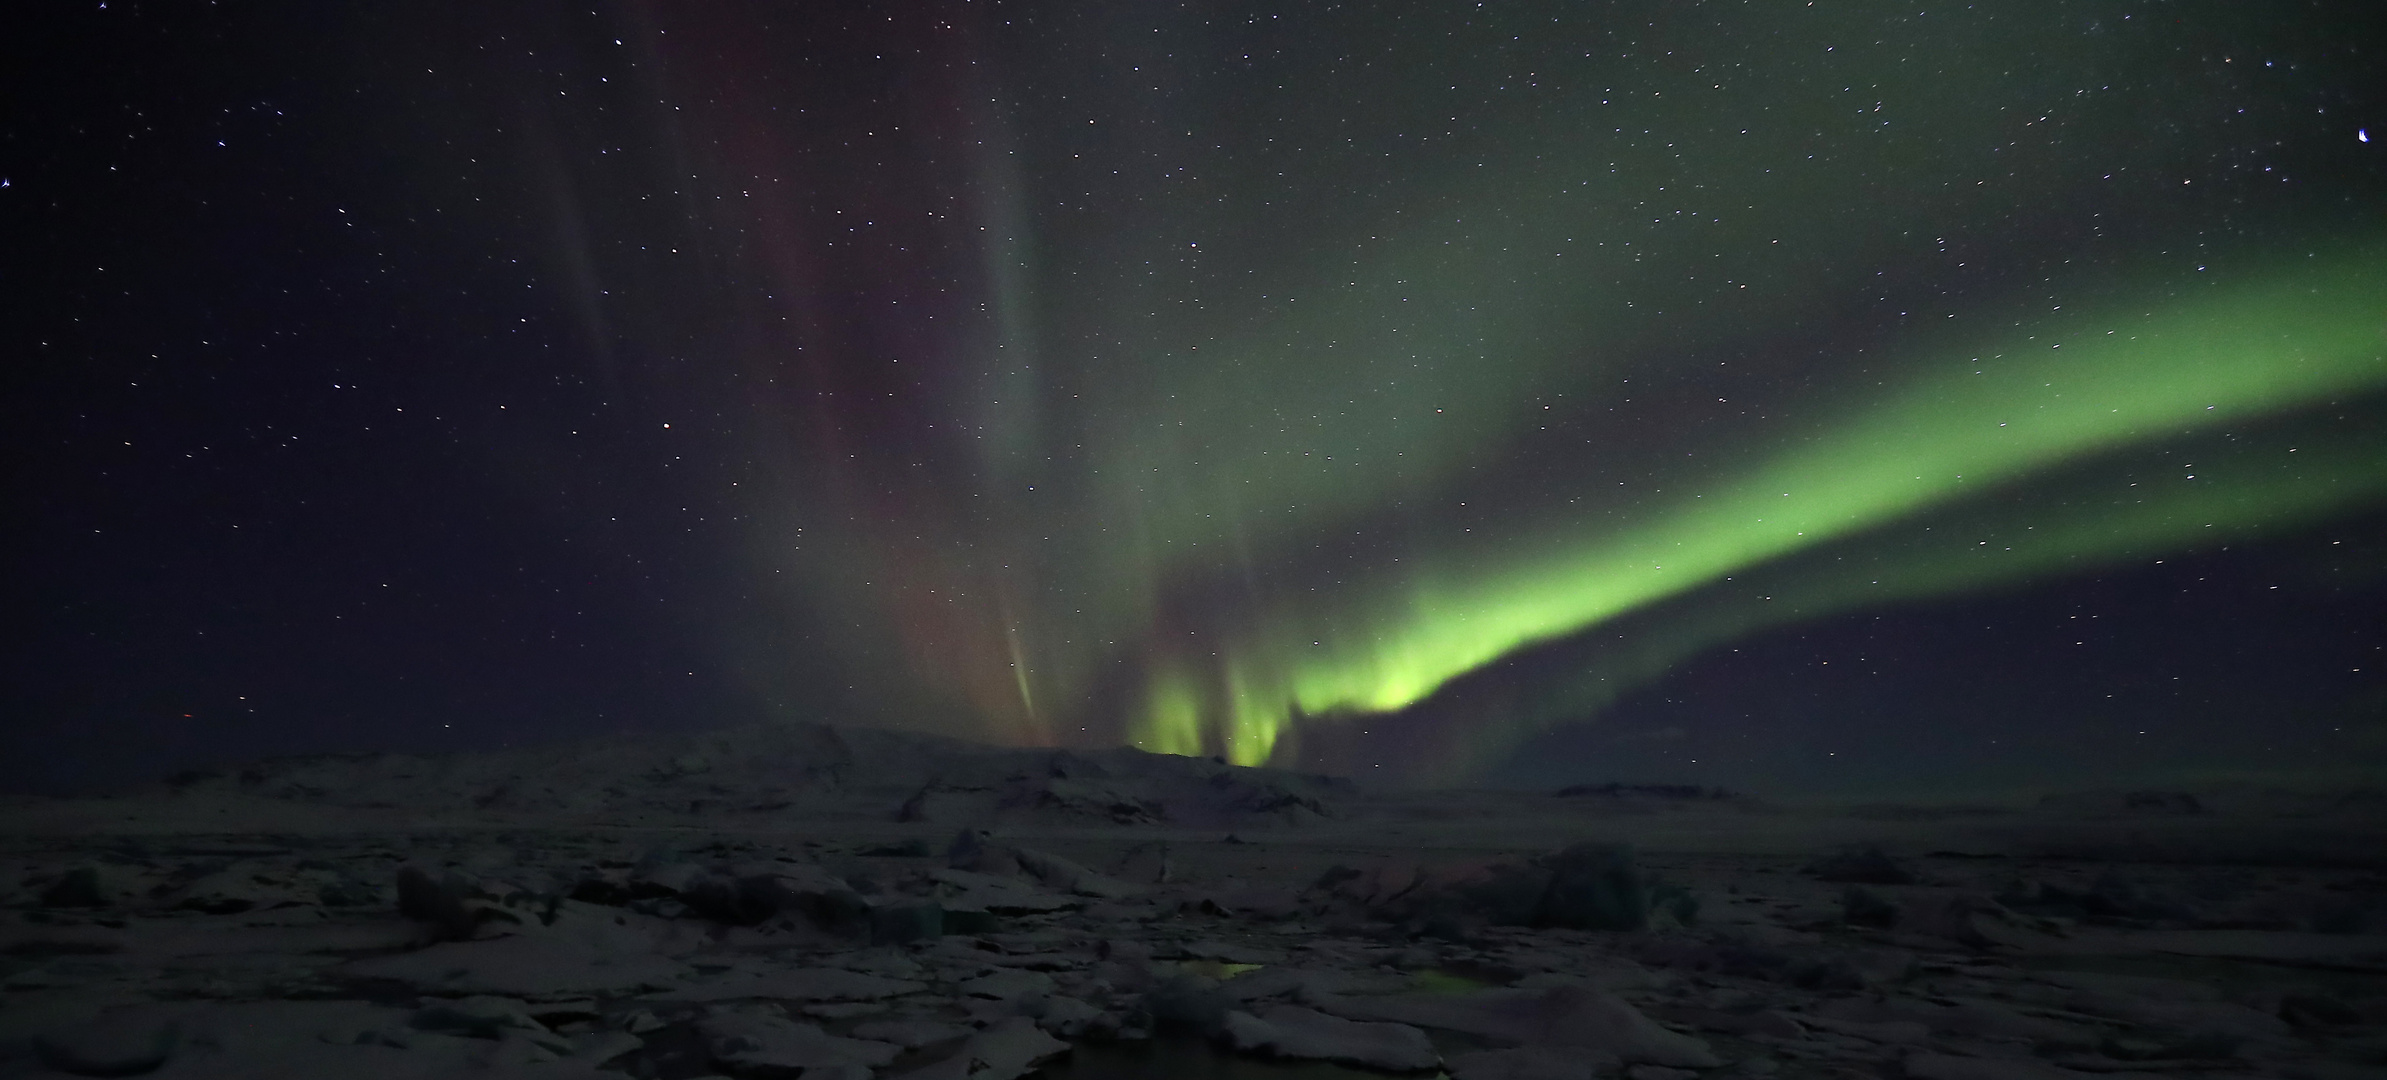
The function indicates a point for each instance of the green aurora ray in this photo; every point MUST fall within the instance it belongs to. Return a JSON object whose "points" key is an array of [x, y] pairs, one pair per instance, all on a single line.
{"points": [[2308, 331]]}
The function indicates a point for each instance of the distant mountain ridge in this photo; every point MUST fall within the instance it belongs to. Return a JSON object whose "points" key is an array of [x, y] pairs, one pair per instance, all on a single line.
{"points": [[813, 770]]}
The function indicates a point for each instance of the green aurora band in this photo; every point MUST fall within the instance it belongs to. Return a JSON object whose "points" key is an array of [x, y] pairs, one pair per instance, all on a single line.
{"points": [[1973, 422], [2297, 471]]}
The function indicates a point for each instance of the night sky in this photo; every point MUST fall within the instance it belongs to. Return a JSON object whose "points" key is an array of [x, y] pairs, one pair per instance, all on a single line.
{"points": [[1839, 399]]}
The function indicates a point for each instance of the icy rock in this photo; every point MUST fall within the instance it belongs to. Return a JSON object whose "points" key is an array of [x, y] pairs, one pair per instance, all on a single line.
{"points": [[1588, 886], [1565, 1016], [241, 887], [2315, 1012], [37, 941], [756, 892], [936, 803], [1771, 1023], [2197, 1046], [973, 850], [642, 1021], [1323, 984], [708, 895], [1065, 1017], [2221, 1019], [794, 984], [844, 1010], [1290, 1031], [1188, 1001], [1008, 983], [902, 923], [756, 1041], [1531, 1063], [1504, 894], [1364, 888], [1886, 1031], [1058, 873], [441, 902], [1123, 950], [349, 1040], [1147, 863], [1877, 967], [891, 963], [823, 898], [1659, 1072], [528, 965], [2110, 899], [81, 887], [345, 891], [911, 1034], [1594, 887], [127, 1042], [663, 874], [1250, 901], [599, 1047], [1269, 982], [555, 1012], [1006, 1050], [840, 1072], [1225, 952], [1121, 801], [961, 918], [1048, 961], [1954, 916], [1862, 866], [2148, 987], [480, 1017], [1612, 975], [1860, 906], [1950, 1067], [999, 895], [520, 1049], [1974, 1018]]}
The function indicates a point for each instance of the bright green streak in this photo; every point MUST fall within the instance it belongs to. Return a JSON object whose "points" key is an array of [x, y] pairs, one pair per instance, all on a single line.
{"points": [[2050, 530], [2300, 336]]}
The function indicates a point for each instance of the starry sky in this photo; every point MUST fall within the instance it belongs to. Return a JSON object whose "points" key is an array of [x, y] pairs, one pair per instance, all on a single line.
{"points": [[1837, 399]]}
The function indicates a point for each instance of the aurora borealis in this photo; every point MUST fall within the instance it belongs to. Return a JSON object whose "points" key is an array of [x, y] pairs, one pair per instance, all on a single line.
{"points": [[2306, 336], [1360, 388]]}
